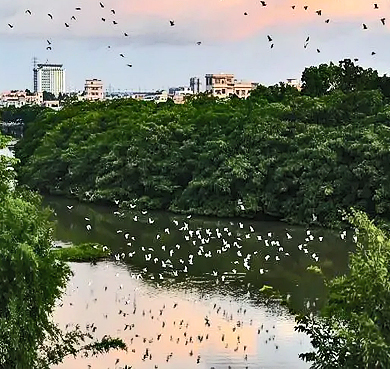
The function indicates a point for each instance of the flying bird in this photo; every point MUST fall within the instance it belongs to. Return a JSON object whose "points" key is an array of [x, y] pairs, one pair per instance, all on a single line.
{"points": [[78, 8], [245, 13], [269, 38], [373, 53], [28, 11], [121, 55], [114, 22], [199, 43], [327, 21], [129, 65], [293, 6], [383, 20], [10, 25], [319, 12], [376, 6], [318, 50], [50, 16], [125, 34], [103, 19], [305, 7], [73, 17], [66, 25], [48, 48], [263, 3], [364, 26], [172, 23], [101, 5], [112, 11]]}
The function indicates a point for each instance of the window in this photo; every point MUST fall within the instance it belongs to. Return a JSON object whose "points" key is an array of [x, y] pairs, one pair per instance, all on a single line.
{"points": [[223, 91]]}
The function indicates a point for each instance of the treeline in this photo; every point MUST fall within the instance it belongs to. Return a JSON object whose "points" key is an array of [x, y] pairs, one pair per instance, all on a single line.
{"points": [[301, 156]]}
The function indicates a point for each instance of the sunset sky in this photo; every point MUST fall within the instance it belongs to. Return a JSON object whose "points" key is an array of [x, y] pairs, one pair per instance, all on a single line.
{"points": [[163, 56]]}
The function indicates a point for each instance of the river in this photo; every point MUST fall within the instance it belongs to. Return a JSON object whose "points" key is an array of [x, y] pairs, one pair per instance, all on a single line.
{"points": [[183, 292]]}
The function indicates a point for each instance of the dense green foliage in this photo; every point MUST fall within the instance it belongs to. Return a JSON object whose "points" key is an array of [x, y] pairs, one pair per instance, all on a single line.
{"points": [[31, 280], [80, 253], [298, 156], [353, 330]]}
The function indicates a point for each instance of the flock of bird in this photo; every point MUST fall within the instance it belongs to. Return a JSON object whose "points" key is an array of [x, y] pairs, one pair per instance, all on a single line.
{"points": [[160, 331], [108, 16], [157, 262]]}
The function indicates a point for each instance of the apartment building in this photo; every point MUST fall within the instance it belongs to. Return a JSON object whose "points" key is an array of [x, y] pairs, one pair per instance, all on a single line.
{"points": [[225, 85], [93, 90]]}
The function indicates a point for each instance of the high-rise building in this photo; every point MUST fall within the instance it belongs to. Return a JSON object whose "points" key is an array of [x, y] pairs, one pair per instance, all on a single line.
{"points": [[195, 84], [49, 78]]}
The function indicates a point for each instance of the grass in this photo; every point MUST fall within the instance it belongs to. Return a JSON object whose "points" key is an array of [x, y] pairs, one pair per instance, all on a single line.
{"points": [[82, 253]]}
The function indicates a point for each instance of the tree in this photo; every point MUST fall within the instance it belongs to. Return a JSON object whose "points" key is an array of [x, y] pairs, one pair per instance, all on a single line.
{"points": [[31, 279], [48, 96], [353, 329]]}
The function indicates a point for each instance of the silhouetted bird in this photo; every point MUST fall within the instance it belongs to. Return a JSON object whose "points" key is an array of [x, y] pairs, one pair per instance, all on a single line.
{"points": [[112, 11], [121, 55], [327, 21], [305, 7], [10, 25], [319, 12], [50, 16], [373, 53], [73, 17], [263, 3], [293, 6], [199, 42], [66, 25], [364, 26], [383, 20], [125, 34], [245, 13], [318, 50], [129, 65], [101, 5], [376, 6], [78, 8], [269, 38], [28, 11], [114, 22], [172, 23], [103, 19], [48, 48]]}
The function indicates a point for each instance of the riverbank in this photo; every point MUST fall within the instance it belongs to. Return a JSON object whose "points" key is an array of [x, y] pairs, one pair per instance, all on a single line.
{"points": [[281, 153], [86, 252]]}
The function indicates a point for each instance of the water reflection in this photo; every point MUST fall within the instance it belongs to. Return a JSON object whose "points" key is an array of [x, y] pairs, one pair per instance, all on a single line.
{"points": [[208, 267], [176, 328]]}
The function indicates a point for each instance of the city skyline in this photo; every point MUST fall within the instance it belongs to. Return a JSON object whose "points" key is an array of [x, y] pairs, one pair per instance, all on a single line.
{"points": [[163, 56]]}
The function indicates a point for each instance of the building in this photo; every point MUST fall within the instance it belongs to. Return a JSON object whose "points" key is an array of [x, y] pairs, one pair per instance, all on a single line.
{"points": [[49, 78], [18, 98], [225, 85], [293, 82], [93, 90], [195, 84]]}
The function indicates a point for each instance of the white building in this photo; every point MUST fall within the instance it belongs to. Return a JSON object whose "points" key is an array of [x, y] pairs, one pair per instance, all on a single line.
{"points": [[225, 85], [93, 90], [49, 78], [293, 82]]}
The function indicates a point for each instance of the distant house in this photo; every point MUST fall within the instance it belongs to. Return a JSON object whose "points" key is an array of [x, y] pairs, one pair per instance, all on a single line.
{"points": [[225, 85]]}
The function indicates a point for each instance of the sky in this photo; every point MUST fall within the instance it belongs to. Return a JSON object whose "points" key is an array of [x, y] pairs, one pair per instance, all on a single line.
{"points": [[164, 56]]}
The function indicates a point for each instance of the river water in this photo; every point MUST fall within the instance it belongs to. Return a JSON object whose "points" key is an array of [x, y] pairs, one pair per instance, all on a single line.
{"points": [[184, 292]]}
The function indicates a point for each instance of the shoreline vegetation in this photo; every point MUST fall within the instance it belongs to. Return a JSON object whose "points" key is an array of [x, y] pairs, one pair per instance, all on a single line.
{"points": [[306, 157], [296, 156], [85, 252]]}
